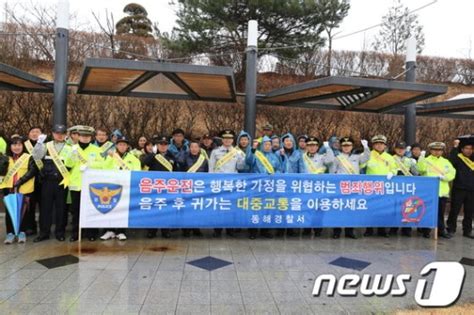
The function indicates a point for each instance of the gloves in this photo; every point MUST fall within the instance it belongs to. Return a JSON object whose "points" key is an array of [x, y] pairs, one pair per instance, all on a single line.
{"points": [[389, 175], [441, 177], [83, 168], [423, 154], [326, 144], [41, 138], [365, 143], [408, 148], [155, 149]]}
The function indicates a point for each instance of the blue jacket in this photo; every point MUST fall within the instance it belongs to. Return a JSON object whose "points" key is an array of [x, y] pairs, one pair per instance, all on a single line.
{"points": [[291, 162], [178, 153], [247, 167], [257, 167]]}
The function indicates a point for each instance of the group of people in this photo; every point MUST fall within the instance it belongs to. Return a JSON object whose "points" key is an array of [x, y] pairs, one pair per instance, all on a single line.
{"points": [[49, 173]]}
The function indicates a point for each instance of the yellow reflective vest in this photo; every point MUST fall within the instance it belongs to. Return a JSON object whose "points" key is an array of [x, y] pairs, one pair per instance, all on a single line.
{"points": [[93, 160], [436, 167], [27, 187], [381, 164], [129, 159]]}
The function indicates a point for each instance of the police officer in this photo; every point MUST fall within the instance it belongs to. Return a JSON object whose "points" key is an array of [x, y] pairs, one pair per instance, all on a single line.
{"points": [[55, 180], [380, 163], [348, 162], [226, 159], [314, 163], [194, 161], [406, 167], [435, 165], [120, 159], [160, 160], [462, 158], [83, 155], [73, 137]]}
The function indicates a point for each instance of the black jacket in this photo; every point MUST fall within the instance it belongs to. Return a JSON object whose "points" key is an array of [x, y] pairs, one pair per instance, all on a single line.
{"points": [[187, 160], [464, 175], [150, 161], [30, 173]]}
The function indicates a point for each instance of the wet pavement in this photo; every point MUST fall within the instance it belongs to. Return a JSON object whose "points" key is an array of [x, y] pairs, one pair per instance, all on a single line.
{"points": [[213, 276]]}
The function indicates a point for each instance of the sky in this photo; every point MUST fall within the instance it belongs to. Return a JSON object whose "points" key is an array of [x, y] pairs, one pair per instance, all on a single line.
{"points": [[448, 24]]}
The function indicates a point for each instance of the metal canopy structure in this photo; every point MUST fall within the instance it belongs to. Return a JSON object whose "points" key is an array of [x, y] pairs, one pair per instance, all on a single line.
{"points": [[356, 94], [460, 108], [133, 78], [13, 79]]}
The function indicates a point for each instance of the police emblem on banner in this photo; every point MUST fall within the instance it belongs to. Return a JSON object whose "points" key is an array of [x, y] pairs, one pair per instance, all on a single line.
{"points": [[413, 210], [105, 196]]}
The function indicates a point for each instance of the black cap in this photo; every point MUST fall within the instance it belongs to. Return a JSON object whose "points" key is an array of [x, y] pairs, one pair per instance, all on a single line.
{"points": [[416, 145], [178, 131], [59, 128], [161, 140], [346, 141], [268, 127], [305, 137], [206, 136], [311, 140], [227, 134], [401, 145], [466, 140], [122, 139]]}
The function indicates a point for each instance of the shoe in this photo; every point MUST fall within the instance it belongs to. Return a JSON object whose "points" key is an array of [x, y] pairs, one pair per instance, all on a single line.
{"points": [[41, 238], [230, 233], [267, 235], [368, 234], [197, 233], [317, 233], [351, 235], [406, 234], [92, 238], [151, 234], [291, 233], [383, 234], [107, 236], [166, 235], [60, 238], [252, 237], [336, 236], [73, 238], [122, 237], [468, 235], [445, 235], [280, 233], [10, 238], [393, 232], [186, 234], [22, 237], [217, 234], [306, 232]]}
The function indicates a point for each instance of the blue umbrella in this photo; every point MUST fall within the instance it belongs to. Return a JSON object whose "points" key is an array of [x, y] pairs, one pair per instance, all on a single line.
{"points": [[14, 205]]}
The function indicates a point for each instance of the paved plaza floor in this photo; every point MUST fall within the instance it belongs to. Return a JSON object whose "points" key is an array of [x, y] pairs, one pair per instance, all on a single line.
{"points": [[214, 276]]}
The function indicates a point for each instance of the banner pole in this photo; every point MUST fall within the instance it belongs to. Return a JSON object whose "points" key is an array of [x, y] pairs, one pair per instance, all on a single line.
{"points": [[80, 227]]}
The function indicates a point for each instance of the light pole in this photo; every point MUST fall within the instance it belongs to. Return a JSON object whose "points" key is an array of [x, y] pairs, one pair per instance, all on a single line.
{"points": [[61, 63], [251, 79], [410, 76]]}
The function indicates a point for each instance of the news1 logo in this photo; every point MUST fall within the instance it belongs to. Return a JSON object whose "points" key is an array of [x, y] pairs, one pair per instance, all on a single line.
{"points": [[445, 289]]}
